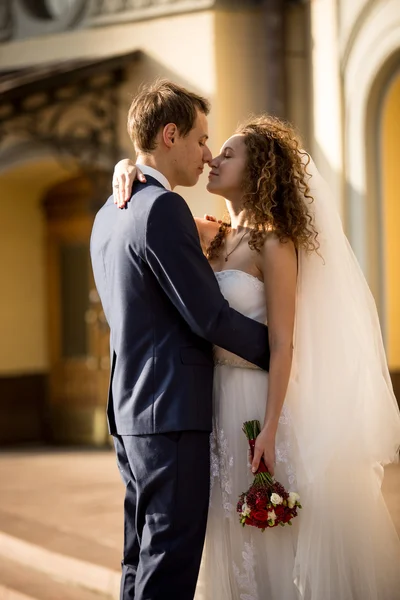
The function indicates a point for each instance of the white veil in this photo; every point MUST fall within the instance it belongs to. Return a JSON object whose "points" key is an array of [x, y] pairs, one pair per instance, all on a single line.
{"points": [[346, 423]]}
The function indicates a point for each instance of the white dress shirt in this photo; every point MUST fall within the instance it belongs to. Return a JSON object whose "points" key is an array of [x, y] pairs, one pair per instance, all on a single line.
{"points": [[146, 170]]}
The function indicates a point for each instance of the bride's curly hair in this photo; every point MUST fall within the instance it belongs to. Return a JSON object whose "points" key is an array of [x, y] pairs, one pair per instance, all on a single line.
{"points": [[274, 187]]}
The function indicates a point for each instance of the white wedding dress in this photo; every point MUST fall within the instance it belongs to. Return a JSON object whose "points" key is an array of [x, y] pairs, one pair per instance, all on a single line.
{"points": [[244, 563], [342, 546]]}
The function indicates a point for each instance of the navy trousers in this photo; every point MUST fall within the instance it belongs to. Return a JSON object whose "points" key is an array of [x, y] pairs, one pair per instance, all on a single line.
{"points": [[167, 479]]}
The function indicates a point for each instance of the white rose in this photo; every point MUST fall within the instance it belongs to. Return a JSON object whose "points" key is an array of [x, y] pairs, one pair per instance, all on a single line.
{"points": [[276, 499], [245, 510], [293, 498], [271, 515]]}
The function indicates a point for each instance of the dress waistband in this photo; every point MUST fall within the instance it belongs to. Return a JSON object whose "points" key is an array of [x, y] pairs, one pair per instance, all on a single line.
{"points": [[235, 362]]}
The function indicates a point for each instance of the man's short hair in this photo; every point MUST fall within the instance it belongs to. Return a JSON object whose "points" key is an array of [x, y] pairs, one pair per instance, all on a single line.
{"points": [[158, 104]]}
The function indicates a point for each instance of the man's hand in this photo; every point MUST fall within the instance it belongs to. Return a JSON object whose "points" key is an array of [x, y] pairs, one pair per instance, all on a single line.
{"points": [[264, 448], [125, 173]]}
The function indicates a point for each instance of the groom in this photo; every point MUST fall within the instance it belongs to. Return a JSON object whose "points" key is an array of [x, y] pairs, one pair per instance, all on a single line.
{"points": [[165, 311]]}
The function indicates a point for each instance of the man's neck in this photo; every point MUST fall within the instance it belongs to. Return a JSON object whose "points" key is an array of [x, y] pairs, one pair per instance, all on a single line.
{"points": [[150, 160]]}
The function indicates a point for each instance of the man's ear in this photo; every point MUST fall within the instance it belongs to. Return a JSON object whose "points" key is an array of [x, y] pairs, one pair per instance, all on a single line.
{"points": [[169, 134]]}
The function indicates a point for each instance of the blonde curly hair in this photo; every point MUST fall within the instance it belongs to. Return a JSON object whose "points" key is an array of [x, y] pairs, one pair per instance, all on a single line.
{"points": [[274, 187]]}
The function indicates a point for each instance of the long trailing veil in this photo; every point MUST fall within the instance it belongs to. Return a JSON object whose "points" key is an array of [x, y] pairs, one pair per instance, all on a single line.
{"points": [[346, 422]]}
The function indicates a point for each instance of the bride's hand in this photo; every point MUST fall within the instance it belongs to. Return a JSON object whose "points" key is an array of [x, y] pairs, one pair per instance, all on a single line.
{"points": [[212, 219], [264, 448], [125, 173]]}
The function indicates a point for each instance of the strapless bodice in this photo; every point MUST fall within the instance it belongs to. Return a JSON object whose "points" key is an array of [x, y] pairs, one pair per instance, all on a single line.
{"points": [[245, 293]]}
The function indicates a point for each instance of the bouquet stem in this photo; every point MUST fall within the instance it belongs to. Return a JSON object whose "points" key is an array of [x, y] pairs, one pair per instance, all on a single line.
{"points": [[251, 430]]}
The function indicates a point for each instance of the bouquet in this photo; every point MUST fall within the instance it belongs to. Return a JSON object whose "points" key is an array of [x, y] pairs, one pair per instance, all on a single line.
{"points": [[266, 503]]}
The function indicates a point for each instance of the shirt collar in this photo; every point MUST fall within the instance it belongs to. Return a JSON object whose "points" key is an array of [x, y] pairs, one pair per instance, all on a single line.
{"points": [[156, 174]]}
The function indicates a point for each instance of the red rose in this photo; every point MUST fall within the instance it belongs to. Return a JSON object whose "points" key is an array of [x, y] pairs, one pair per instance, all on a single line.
{"points": [[287, 517], [279, 511], [260, 515]]}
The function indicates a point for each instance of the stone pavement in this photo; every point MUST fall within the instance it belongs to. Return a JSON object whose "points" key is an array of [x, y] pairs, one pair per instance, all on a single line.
{"points": [[61, 525], [61, 513]]}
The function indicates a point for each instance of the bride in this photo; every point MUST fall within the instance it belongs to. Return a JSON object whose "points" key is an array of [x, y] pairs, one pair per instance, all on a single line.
{"points": [[330, 419]]}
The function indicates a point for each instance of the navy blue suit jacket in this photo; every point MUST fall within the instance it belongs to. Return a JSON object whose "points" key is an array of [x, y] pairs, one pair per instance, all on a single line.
{"points": [[165, 311]]}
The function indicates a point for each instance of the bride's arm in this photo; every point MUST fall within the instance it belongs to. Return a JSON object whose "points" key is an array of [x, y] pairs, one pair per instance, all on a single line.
{"points": [[278, 263], [125, 173]]}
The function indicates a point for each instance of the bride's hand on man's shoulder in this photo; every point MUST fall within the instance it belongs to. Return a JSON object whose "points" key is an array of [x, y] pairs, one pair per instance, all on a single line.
{"points": [[125, 173]]}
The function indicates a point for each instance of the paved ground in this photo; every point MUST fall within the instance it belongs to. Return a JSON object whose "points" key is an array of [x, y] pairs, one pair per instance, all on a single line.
{"points": [[61, 525], [78, 494], [65, 506]]}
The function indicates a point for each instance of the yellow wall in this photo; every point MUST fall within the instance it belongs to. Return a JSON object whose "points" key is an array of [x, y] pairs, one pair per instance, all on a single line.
{"points": [[241, 82], [325, 106], [391, 211], [23, 298]]}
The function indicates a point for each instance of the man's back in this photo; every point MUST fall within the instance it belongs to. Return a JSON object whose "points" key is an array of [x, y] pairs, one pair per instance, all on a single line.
{"points": [[161, 372]]}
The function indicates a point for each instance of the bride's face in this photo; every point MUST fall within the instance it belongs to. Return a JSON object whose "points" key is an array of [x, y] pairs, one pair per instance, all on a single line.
{"points": [[227, 169]]}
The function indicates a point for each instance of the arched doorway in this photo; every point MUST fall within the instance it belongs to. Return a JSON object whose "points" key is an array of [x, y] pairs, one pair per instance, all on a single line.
{"points": [[375, 35], [389, 161], [366, 90], [78, 332]]}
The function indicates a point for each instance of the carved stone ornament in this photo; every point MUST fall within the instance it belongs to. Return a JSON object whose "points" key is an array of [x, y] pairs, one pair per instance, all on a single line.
{"points": [[70, 108], [112, 11], [6, 23], [54, 9]]}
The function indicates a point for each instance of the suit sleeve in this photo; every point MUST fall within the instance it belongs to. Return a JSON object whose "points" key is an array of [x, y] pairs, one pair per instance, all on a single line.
{"points": [[174, 254]]}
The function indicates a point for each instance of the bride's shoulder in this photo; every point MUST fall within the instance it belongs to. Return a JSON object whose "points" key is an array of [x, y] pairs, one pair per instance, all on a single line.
{"points": [[276, 252], [274, 243]]}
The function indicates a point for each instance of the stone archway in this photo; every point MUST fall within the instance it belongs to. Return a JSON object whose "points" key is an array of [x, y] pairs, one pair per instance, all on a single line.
{"points": [[387, 197], [374, 201], [371, 53], [369, 64]]}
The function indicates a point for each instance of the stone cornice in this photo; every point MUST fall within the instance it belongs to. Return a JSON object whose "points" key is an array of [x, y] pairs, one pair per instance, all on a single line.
{"points": [[21, 19], [107, 12]]}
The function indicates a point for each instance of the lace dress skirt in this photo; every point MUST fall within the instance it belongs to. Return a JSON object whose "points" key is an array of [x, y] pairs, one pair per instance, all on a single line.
{"points": [[244, 563]]}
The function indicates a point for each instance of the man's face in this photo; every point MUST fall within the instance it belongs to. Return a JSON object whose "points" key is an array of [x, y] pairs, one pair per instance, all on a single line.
{"points": [[191, 153]]}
